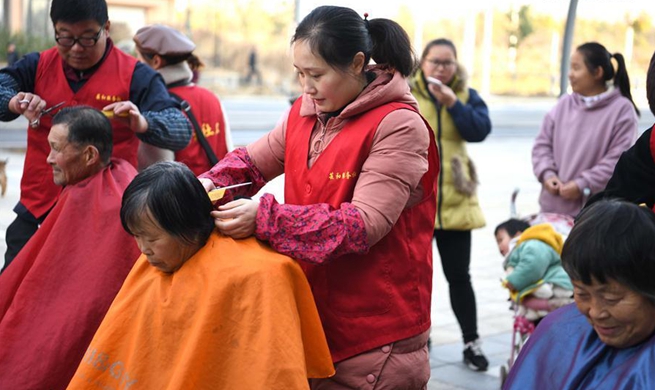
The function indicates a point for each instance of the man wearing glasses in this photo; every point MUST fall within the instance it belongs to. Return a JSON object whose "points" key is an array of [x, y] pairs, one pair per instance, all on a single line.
{"points": [[84, 68]]}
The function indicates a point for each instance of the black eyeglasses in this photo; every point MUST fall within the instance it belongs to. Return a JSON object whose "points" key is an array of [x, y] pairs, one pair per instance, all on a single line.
{"points": [[83, 41], [445, 64]]}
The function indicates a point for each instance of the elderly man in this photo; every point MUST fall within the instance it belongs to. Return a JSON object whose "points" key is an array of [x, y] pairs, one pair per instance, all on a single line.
{"points": [[56, 292], [84, 68]]}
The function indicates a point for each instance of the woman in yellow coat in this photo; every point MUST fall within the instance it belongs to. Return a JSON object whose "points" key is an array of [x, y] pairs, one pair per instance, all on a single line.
{"points": [[457, 115]]}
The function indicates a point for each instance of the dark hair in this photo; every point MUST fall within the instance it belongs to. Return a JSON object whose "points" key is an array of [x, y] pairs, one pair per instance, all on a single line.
{"points": [[175, 199], [613, 239], [596, 55], [438, 42], [512, 226], [195, 63], [650, 84], [336, 34], [175, 59], [74, 11], [87, 126], [168, 59]]}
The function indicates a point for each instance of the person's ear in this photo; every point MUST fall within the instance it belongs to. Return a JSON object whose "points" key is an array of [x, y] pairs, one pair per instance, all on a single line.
{"points": [[106, 28], [157, 62], [91, 155], [598, 74], [357, 66]]}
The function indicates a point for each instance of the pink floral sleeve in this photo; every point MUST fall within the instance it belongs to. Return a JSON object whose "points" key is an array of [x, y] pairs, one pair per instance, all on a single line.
{"points": [[236, 167], [313, 233]]}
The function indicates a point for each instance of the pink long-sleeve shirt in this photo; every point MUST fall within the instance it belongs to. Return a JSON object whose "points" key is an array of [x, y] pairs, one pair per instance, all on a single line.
{"points": [[582, 143], [388, 184]]}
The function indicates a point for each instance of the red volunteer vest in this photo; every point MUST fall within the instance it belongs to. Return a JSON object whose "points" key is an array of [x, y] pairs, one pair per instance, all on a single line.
{"points": [[110, 83], [208, 113], [364, 301]]}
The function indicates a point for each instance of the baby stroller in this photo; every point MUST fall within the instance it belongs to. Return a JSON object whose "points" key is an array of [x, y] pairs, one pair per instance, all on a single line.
{"points": [[523, 326]]}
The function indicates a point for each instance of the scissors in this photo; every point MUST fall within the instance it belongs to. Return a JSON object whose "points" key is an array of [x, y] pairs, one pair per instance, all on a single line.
{"points": [[36, 122]]}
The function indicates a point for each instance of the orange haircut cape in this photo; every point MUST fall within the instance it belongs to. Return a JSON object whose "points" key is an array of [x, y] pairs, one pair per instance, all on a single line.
{"points": [[236, 315], [55, 293]]}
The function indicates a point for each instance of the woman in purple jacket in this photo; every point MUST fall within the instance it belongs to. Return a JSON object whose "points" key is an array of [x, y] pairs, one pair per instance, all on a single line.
{"points": [[583, 136]]}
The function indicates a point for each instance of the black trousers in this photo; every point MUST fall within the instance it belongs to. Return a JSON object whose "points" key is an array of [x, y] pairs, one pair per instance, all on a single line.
{"points": [[18, 233], [455, 251]]}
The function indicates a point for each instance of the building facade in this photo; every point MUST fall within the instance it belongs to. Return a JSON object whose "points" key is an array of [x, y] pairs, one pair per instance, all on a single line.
{"points": [[33, 15]]}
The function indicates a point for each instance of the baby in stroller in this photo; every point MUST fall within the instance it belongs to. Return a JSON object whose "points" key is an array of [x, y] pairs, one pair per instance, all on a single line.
{"points": [[534, 274]]}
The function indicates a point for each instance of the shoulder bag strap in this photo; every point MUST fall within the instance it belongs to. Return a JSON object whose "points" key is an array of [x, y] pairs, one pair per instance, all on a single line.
{"points": [[186, 107]]}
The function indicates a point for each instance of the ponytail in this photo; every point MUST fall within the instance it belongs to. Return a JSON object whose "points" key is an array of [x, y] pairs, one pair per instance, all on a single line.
{"points": [[337, 34], [621, 79], [596, 55], [391, 46], [195, 63]]}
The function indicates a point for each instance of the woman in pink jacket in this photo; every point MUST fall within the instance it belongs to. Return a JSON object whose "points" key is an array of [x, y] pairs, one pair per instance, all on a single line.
{"points": [[360, 166], [582, 138]]}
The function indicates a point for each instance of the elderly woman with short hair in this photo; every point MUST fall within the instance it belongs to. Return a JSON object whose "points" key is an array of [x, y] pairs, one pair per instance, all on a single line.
{"points": [[200, 310], [606, 340]]}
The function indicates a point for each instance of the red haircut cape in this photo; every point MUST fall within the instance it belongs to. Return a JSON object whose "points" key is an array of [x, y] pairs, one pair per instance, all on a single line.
{"points": [[236, 315], [55, 293]]}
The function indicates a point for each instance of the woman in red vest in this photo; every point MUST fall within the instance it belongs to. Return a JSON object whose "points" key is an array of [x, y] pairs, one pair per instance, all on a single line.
{"points": [[169, 52], [360, 169]]}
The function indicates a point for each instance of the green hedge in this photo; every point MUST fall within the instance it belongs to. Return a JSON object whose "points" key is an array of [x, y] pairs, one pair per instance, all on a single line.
{"points": [[25, 43]]}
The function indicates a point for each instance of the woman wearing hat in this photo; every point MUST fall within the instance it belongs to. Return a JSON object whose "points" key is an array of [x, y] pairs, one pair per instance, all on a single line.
{"points": [[169, 52]]}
